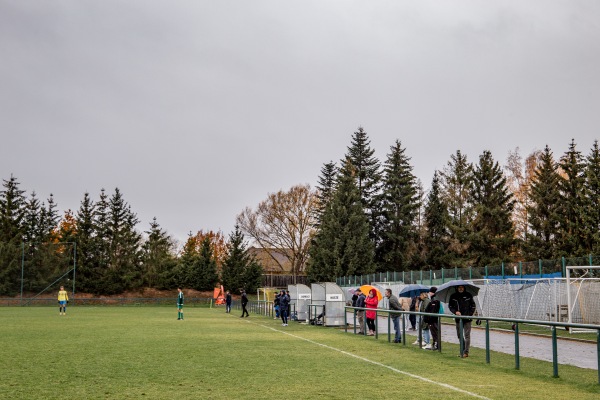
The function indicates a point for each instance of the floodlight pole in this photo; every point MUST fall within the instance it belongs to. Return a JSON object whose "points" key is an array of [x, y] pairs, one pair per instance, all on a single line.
{"points": [[74, 265]]}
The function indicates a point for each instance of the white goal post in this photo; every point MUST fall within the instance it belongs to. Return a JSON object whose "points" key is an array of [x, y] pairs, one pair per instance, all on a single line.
{"points": [[587, 287]]}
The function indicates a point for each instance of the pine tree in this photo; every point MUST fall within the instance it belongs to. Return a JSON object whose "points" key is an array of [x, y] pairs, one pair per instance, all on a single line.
{"points": [[457, 180], [325, 189], [543, 209], [592, 191], [492, 237], [436, 220], [87, 273], [204, 269], [367, 174], [12, 215], [240, 269], [342, 246], [572, 190], [400, 206], [158, 258]]}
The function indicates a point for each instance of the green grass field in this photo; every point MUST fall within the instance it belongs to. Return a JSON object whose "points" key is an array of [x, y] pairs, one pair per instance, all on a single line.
{"points": [[144, 352]]}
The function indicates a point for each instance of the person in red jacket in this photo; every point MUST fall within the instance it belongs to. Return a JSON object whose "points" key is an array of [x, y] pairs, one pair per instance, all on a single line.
{"points": [[371, 302]]}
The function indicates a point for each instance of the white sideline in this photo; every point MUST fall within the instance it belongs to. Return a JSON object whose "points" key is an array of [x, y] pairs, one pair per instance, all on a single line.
{"points": [[445, 385]]}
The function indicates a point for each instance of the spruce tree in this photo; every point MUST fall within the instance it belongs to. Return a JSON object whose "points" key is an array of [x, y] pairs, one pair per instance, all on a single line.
{"points": [[12, 215], [592, 191], [572, 189], [87, 274], [457, 180], [399, 209], [436, 221], [240, 269], [543, 209], [342, 246], [492, 238], [367, 174], [325, 189], [158, 258], [206, 267]]}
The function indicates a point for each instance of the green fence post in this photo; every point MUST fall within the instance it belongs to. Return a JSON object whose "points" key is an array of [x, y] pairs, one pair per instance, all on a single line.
{"points": [[443, 280], [487, 341], [430, 277], [591, 260], [564, 268], [471, 272], [520, 269], [502, 269], [541, 271], [485, 272], [517, 361], [554, 353], [455, 272], [421, 277]]}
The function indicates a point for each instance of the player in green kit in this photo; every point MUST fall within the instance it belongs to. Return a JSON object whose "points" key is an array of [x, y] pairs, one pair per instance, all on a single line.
{"points": [[179, 304]]}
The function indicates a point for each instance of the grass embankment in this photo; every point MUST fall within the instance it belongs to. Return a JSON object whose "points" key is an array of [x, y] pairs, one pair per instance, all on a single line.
{"points": [[144, 352]]}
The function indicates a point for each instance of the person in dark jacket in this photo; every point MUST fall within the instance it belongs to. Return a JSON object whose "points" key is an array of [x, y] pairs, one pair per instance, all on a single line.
{"points": [[244, 304], [433, 322], [360, 314], [284, 302], [413, 318], [461, 303], [276, 305], [395, 305], [228, 302]]}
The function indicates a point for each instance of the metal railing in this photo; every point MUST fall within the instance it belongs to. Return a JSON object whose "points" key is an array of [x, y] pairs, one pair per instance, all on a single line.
{"points": [[487, 320]]}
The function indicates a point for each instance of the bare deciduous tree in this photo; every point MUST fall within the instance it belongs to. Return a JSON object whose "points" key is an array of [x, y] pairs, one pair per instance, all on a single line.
{"points": [[283, 224]]}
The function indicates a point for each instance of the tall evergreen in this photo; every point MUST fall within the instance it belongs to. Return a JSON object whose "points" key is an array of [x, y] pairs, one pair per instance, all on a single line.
{"points": [[203, 274], [367, 174], [124, 268], [158, 258], [543, 209], [12, 218], [572, 189], [240, 269], [325, 189], [87, 274], [400, 206], [457, 181], [436, 221], [341, 245], [592, 191], [492, 236]]}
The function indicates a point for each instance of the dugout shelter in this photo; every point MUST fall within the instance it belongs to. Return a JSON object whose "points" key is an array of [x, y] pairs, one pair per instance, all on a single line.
{"points": [[327, 299]]}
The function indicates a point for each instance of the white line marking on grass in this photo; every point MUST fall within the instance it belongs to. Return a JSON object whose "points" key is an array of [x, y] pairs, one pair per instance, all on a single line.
{"points": [[445, 385]]}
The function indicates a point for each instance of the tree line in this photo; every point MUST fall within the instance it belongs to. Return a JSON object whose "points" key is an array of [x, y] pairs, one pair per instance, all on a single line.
{"points": [[376, 217], [100, 241]]}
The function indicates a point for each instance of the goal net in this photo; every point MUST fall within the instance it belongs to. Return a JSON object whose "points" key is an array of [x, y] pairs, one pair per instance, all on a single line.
{"points": [[583, 295]]}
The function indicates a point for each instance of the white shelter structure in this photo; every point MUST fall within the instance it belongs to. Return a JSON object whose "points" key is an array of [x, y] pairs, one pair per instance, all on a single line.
{"points": [[327, 302]]}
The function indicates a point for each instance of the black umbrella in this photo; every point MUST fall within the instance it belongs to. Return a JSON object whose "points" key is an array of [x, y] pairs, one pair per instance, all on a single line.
{"points": [[447, 289], [413, 290]]}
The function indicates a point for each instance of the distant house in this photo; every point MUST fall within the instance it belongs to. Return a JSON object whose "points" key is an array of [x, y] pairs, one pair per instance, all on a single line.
{"points": [[273, 261]]}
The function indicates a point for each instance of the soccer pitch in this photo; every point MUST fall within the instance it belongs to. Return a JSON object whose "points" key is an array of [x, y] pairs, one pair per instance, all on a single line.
{"points": [[145, 353]]}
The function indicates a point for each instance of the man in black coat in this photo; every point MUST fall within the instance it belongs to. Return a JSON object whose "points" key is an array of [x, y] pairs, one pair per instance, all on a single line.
{"points": [[461, 303], [244, 303]]}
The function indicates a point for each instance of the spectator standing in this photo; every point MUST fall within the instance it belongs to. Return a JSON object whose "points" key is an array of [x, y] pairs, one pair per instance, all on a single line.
{"points": [[360, 314], [433, 322], [284, 302], [276, 305], [395, 305], [461, 303], [228, 302], [423, 303], [413, 318], [371, 304], [244, 304]]}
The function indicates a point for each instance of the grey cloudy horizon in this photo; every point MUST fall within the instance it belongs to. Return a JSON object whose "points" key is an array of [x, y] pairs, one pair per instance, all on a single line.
{"points": [[198, 109]]}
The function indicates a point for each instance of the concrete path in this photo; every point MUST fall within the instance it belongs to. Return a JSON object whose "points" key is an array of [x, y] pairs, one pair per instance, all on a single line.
{"points": [[570, 352]]}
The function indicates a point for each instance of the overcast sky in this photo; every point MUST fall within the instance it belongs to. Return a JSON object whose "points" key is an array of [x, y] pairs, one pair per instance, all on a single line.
{"points": [[197, 109]]}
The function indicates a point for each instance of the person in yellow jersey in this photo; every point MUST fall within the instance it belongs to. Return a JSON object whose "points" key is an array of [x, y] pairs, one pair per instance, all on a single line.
{"points": [[63, 299]]}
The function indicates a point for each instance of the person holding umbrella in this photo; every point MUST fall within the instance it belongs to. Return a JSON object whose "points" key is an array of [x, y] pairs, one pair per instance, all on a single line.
{"points": [[461, 303], [371, 304]]}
